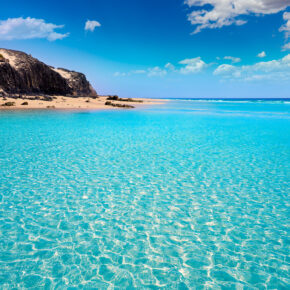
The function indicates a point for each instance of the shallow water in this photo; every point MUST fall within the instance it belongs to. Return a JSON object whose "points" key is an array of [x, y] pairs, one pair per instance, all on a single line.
{"points": [[189, 194]]}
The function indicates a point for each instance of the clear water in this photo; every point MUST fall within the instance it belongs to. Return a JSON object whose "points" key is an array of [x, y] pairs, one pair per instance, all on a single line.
{"points": [[187, 195]]}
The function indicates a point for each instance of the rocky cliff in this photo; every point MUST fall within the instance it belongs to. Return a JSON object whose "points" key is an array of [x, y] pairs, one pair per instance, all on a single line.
{"points": [[20, 73]]}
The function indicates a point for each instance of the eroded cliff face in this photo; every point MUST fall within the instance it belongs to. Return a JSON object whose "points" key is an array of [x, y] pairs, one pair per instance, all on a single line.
{"points": [[21, 73], [77, 82]]}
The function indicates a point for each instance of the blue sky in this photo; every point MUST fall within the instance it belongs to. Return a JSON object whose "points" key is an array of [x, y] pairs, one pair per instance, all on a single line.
{"points": [[159, 48]]}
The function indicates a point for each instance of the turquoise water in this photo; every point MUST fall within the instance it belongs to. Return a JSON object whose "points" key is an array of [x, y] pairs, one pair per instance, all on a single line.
{"points": [[186, 195]]}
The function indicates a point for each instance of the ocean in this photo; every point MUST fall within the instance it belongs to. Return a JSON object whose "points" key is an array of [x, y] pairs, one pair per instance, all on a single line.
{"points": [[191, 194]]}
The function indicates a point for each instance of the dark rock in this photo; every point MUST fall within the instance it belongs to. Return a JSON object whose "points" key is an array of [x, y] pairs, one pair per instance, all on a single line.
{"points": [[8, 104], [78, 83], [24, 104], [20, 73], [108, 103], [130, 100], [47, 98], [125, 106], [116, 98], [113, 98], [2, 59], [13, 96], [28, 75]]}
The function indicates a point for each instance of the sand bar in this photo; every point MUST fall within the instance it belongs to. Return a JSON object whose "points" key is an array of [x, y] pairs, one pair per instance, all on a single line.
{"points": [[70, 103]]}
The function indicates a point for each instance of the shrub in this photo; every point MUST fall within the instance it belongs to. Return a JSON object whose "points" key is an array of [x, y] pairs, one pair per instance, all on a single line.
{"points": [[24, 104]]}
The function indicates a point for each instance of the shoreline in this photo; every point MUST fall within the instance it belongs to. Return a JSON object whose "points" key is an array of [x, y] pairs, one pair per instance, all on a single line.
{"points": [[73, 103]]}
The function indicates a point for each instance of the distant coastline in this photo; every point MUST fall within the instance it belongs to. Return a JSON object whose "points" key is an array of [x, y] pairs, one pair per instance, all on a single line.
{"points": [[231, 99]]}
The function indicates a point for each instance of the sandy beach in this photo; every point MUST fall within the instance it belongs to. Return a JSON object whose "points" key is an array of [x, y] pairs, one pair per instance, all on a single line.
{"points": [[70, 103]]}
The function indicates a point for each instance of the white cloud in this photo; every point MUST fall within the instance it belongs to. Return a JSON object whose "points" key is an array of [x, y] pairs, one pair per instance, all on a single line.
{"points": [[186, 66], [156, 71], [286, 26], [91, 25], [192, 65], [28, 28], [227, 12], [139, 71], [170, 66], [286, 46], [233, 59], [151, 72], [272, 70], [224, 69], [286, 29], [120, 74], [261, 54]]}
